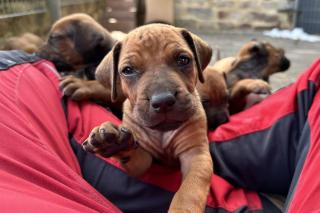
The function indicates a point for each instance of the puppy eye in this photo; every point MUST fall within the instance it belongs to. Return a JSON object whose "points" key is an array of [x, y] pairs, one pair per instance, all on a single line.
{"points": [[55, 37], [205, 102], [183, 60], [128, 71]]}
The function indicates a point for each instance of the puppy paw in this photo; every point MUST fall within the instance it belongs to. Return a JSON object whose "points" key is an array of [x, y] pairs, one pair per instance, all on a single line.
{"points": [[258, 86], [76, 88], [258, 90], [108, 140]]}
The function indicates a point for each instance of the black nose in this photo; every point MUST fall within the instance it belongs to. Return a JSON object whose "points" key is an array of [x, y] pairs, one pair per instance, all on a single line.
{"points": [[285, 64], [162, 102]]}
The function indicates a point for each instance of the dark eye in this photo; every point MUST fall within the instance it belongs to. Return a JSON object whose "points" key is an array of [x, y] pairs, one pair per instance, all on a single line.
{"points": [[183, 60], [55, 37], [128, 71], [205, 102]]}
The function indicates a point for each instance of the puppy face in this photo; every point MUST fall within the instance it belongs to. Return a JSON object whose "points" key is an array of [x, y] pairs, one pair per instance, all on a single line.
{"points": [[258, 60], [158, 66], [76, 41], [214, 97]]}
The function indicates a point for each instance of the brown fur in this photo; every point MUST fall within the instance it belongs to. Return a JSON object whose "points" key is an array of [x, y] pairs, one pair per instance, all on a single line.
{"points": [[214, 97], [174, 136], [77, 42], [246, 93], [27, 42], [255, 60]]}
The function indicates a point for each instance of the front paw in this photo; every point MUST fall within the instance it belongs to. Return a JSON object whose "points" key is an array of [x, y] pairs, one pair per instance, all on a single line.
{"points": [[108, 140], [76, 88]]}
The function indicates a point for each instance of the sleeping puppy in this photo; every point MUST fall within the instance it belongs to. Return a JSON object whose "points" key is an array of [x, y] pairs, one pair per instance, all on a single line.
{"points": [[214, 97], [158, 66], [255, 60], [27, 42], [76, 45]]}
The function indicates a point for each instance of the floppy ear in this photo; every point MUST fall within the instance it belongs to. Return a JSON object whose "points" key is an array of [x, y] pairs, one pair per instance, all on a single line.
{"points": [[201, 51], [225, 77], [107, 71], [97, 43], [256, 48], [116, 55]]}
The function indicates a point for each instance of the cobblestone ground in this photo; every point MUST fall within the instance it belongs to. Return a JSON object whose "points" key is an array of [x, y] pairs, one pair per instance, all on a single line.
{"points": [[300, 53]]}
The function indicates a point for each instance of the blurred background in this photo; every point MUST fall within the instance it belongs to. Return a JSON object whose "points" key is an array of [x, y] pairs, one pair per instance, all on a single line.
{"points": [[226, 24]]}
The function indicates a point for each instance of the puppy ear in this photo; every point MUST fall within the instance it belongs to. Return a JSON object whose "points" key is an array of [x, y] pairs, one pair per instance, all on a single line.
{"points": [[225, 77], [201, 51], [107, 71], [114, 77], [255, 48], [97, 43]]}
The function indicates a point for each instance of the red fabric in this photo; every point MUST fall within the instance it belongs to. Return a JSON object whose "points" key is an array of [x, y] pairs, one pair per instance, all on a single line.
{"points": [[82, 118], [250, 120], [307, 191], [38, 169]]}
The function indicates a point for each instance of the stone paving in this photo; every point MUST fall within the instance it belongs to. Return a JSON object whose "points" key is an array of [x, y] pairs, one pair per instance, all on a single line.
{"points": [[300, 53]]}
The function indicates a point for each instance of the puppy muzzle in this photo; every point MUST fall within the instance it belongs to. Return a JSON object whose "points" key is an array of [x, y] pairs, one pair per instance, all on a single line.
{"points": [[284, 64]]}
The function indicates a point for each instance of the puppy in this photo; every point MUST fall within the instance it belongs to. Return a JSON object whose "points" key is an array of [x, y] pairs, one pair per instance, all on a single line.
{"points": [[27, 42], [255, 60], [214, 97], [158, 66], [76, 45], [246, 93]]}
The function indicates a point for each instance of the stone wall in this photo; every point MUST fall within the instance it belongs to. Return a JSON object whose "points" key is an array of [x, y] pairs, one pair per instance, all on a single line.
{"points": [[40, 24], [211, 15]]}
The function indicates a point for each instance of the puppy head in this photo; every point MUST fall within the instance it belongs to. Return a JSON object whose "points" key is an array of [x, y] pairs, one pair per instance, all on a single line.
{"points": [[214, 96], [246, 93], [257, 60], [27, 42], [159, 66], [75, 41], [277, 62]]}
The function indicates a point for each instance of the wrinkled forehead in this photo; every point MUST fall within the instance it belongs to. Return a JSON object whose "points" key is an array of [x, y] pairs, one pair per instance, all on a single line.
{"points": [[153, 41]]}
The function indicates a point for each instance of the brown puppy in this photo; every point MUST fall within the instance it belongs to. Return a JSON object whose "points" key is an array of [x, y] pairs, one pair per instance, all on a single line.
{"points": [[76, 45], [159, 66], [246, 93], [256, 60], [27, 42], [214, 97]]}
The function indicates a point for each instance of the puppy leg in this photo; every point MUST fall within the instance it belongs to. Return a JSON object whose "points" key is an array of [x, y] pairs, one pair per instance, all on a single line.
{"points": [[247, 93], [110, 140], [197, 169], [80, 89]]}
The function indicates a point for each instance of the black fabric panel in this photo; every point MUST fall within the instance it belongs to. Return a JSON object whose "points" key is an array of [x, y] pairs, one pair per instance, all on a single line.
{"points": [[127, 193], [15, 57], [268, 206], [131, 195], [300, 159], [267, 160], [259, 161]]}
